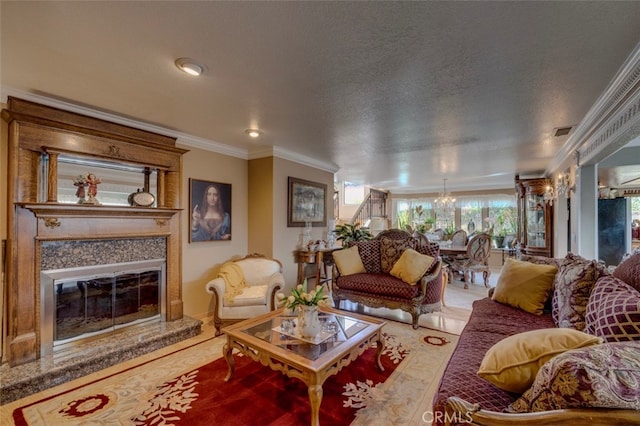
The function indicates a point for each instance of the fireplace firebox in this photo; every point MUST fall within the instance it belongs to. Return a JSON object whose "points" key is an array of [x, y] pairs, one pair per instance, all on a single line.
{"points": [[81, 303]]}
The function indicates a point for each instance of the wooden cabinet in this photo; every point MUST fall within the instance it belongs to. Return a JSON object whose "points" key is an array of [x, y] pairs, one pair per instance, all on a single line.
{"points": [[535, 217]]}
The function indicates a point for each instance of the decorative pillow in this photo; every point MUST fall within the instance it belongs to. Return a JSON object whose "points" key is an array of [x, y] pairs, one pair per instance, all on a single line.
{"points": [[348, 261], [513, 362], [541, 260], [602, 376], [524, 285], [629, 271], [613, 311], [411, 266], [391, 250], [573, 284], [370, 255]]}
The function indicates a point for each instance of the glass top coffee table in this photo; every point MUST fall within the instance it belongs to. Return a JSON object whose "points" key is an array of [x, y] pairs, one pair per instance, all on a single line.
{"points": [[270, 340]]}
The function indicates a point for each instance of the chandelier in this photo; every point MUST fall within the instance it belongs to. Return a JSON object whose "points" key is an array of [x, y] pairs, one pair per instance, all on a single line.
{"points": [[445, 203]]}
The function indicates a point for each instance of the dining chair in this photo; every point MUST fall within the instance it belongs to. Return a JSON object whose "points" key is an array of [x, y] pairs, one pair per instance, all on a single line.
{"points": [[439, 232], [476, 260], [459, 238]]}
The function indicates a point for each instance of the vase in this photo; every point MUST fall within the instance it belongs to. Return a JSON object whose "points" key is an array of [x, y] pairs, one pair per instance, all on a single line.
{"points": [[308, 321], [471, 227]]}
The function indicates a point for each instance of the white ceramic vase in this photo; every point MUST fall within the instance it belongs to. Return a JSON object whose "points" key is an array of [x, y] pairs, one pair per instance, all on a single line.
{"points": [[308, 321]]}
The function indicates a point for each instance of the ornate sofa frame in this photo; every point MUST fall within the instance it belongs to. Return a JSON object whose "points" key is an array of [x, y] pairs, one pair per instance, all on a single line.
{"points": [[427, 301]]}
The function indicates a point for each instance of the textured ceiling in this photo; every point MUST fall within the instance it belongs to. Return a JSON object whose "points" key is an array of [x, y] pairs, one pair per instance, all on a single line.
{"points": [[396, 95]]}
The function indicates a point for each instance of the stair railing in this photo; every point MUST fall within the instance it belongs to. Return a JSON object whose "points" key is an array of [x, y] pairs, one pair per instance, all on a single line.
{"points": [[374, 205]]}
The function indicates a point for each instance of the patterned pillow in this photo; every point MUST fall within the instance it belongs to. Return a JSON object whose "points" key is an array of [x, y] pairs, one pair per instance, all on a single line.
{"points": [[391, 250], [629, 271], [602, 376], [430, 249], [370, 255], [542, 260], [613, 312], [572, 287]]}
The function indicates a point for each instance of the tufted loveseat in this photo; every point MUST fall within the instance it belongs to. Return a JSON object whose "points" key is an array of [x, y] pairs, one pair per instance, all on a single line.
{"points": [[376, 287], [596, 384]]}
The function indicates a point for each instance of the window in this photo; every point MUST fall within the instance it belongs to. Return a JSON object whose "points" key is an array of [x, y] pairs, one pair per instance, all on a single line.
{"points": [[471, 218], [503, 219], [353, 193], [477, 211]]}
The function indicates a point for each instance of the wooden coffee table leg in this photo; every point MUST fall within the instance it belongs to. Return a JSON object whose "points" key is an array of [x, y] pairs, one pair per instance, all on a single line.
{"points": [[227, 351], [379, 349], [315, 399]]}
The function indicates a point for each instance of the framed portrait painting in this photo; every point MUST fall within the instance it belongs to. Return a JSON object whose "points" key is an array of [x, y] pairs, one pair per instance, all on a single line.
{"points": [[307, 203], [210, 210]]}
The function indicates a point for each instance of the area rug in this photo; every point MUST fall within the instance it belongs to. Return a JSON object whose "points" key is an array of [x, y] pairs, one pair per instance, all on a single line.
{"points": [[187, 388]]}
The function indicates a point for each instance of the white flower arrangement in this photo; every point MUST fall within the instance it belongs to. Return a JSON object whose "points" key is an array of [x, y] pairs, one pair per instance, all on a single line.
{"points": [[299, 296]]}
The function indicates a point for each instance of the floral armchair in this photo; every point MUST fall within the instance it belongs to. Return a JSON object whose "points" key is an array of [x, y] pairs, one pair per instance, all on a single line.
{"points": [[245, 288]]}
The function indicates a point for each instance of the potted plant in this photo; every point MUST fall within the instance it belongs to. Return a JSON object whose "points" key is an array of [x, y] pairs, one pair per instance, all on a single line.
{"points": [[499, 237], [348, 232], [428, 223], [448, 231]]}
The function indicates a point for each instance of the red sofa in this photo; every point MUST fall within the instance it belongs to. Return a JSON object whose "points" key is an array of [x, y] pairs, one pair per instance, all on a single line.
{"points": [[376, 288], [463, 397]]}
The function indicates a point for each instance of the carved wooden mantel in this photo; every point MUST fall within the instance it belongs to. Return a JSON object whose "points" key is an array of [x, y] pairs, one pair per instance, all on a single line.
{"points": [[36, 216]]}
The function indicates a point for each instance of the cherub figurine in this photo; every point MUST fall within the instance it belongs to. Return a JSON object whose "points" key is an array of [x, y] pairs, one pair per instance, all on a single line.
{"points": [[92, 182], [81, 183]]}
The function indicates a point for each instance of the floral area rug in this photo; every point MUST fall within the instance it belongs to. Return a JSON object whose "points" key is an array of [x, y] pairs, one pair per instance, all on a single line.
{"points": [[187, 388]]}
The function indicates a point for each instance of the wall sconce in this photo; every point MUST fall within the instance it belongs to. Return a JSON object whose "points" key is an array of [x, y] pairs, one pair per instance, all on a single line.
{"points": [[563, 186]]}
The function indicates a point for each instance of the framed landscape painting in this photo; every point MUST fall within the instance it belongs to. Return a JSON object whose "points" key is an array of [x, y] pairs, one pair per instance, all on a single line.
{"points": [[307, 203], [209, 210]]}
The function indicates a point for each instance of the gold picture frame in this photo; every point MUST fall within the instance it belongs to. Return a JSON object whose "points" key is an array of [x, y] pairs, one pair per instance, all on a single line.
{"points": [[307, 203]]}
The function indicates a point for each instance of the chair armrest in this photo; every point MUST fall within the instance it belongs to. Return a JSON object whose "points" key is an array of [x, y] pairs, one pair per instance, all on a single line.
{"points": [[216, 286], [274, 284], [435, 272]]}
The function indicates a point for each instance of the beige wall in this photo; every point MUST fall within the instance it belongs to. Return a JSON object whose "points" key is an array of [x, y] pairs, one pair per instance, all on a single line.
{"points": [[261, 206], [200, 260], [259, 219], [285, 238]]}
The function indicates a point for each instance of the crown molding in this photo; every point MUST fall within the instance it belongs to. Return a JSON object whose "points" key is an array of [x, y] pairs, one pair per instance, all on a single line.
{"points": [[292, 156], [181, 138], [612, 121]]}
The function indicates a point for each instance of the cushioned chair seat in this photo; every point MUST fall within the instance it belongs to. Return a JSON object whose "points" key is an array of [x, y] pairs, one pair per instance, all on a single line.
{"points": [[378, 284], [250, 296]]}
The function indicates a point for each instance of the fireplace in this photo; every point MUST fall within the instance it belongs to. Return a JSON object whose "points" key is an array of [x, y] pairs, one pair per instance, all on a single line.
{"points": [[79, 304], [47, 233], [92, 287]]}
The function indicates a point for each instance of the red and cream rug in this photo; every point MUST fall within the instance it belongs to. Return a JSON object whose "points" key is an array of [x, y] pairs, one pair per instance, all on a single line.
{"points": [[186, 387]]}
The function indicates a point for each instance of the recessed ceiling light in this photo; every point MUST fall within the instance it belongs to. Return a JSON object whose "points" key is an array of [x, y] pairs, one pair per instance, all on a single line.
{"points": [[190, 66], [253, 132]]}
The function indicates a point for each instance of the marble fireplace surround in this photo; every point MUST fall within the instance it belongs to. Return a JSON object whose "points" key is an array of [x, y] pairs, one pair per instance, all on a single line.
{"points": [[78, 258]]}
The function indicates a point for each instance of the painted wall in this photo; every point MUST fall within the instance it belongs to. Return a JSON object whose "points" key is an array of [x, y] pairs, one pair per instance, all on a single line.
{"points": [[201, 260], [261, 206], [285, 238]]}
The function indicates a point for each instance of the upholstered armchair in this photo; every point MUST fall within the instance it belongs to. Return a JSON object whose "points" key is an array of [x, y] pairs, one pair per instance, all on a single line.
{"points": [[245, 288]]}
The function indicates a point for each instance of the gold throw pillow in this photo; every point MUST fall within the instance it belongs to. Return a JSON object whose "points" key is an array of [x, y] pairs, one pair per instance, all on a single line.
{"points": [[513, 362], [525, 285], [411, 266], [348, 261]]}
